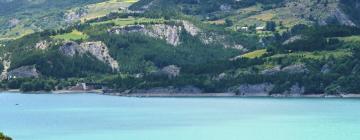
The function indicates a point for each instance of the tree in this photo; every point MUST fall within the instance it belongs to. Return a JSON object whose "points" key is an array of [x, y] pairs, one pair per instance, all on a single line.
{"points": [[228, 22], [270, 26], [3, 137]]}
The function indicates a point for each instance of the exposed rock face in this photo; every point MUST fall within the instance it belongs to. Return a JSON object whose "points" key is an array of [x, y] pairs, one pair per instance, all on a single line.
{"points": [[97, 49], [13, 22], [100, 51], [253, 90], [292, 69], [171, 33], [292, 39], [323, 12], [75, 15], [342, 18], [24, 72], [162, 31], [171, 71], [42, 45], [167, 32], [128, 29], [191, 28], [325, 69], [264, 89], [297, 68], [220, 76], [271, 71], [145, 7], [225, 7], [211, 38], [171, 90], [4, 73], [69, 48], [295, 90], [238, 47]]}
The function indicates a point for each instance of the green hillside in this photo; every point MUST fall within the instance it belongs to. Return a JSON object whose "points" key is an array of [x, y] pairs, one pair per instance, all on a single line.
{"points": [[22, 17], [213, 45]]}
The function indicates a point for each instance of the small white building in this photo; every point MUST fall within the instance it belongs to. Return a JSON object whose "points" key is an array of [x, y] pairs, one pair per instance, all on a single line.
{"points": [[244, 28], [261, 28]]}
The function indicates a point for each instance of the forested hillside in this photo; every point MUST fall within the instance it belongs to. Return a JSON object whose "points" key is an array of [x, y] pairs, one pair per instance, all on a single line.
{"points": [[249, 46], [22, 17]]}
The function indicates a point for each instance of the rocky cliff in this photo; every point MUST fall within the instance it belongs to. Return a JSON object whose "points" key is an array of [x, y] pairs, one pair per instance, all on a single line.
{"points": [[23, 72], [98, 49], [171, 33]]}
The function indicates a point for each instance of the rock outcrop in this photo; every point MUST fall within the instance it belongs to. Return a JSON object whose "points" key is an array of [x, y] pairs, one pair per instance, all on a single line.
{"points": [[225, 7], [42, 45], [4, 73], [13, 22], [98, 49], [221, 76], [325, 69], [191, 28], [297, 68], [342, 18], [170, 71], [74, 15], [127, 29], [292, 39], [69, 48], [171, 33], [24, 72], [170, 90], [295, 90], [253, 90], [322, 12], [271, 71], [292, 69], [265, 89]]}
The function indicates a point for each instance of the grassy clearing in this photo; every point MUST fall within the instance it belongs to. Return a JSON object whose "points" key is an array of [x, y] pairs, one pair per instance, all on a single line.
{"points": [[350, 39], [104, 8], [130, 21], [316, 55], [73, 36], [254, 54]]}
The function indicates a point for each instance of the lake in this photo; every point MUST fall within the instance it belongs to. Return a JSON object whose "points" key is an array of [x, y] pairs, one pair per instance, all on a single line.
{"points": [[98, 117]]}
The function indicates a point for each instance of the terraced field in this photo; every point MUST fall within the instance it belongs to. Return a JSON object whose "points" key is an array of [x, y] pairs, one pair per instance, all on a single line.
{"points": [[72, 36], [33, 18], [254, 54], [104, 8], [315, 55], [129, 21]]}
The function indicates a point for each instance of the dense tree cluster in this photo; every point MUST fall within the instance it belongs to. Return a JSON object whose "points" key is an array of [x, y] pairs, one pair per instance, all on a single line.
{"points": [[4, 137]]}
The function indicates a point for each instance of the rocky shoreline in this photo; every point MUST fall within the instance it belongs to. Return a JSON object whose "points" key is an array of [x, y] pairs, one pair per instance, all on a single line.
{"points": [[229, 95]]}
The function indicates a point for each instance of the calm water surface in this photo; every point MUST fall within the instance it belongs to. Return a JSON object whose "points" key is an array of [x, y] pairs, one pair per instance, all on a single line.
{"points": [[96, 117]]}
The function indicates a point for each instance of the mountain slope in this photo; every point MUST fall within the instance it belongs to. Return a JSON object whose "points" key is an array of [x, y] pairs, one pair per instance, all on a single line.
{"points": [[22, 17], [273, 47], [247, 12]]}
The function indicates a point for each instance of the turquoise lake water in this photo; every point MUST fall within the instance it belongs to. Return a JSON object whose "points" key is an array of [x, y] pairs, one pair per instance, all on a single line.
{"points": [[97, 117]]}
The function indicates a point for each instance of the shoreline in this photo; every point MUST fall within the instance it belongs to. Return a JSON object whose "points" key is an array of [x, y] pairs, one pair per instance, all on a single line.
{"points": [[146, 95]]}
